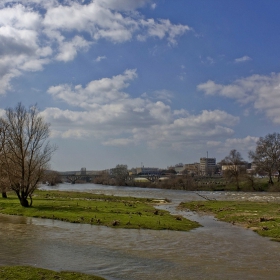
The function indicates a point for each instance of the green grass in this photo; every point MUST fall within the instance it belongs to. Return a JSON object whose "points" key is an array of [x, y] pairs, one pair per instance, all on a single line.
{"points": [[31, 273], [262, 217], [112, 211]]}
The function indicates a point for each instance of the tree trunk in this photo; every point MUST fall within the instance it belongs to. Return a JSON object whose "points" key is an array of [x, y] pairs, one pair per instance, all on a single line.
{"points": [[4, 195], [24, 202], [238, 187], [23, 198], [270, 180], [31, 200], [237, 182]]}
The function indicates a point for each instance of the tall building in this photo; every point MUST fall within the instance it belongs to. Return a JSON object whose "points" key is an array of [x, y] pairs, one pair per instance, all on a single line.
{"points": [[207, 166]]}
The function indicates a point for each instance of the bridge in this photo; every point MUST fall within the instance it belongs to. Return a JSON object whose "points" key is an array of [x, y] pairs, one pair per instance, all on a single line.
{"points": [[151, 177], [78, 176], [88, 176]]}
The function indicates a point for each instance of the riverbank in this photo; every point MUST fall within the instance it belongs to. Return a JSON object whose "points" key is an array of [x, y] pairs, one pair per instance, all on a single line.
{"points": [[261, 217], [247, 183], [98, 209], [28, 273], [217, 250]]}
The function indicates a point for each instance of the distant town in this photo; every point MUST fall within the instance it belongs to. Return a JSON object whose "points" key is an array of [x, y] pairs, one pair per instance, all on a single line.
{"points": [[205, 167]]}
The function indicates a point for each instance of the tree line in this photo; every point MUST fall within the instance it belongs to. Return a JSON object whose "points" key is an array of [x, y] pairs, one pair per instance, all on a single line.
{"points": [[265, 160]]}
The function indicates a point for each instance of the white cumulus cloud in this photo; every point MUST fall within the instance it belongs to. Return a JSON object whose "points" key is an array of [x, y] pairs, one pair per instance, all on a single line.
{"points": [[34, 33], [262, 92], [242, 59], [107, 112], [99, 58]]}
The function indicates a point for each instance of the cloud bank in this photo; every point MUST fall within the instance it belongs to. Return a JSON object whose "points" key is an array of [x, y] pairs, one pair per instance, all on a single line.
{"points": [[106, 112]]}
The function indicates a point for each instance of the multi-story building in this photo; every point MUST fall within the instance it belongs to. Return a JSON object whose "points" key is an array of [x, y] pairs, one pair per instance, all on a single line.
{"points": [[178, 168], [148, 170], [192, 168], [241, 166], [207, 166]]}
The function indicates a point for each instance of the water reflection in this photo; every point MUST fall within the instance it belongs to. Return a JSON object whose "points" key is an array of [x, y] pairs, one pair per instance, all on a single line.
{"points": [[215, 251]]}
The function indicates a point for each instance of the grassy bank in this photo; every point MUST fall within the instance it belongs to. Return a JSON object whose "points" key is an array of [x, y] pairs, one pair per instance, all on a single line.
{"points": [[31, 273], [112, 211], [261, 217]]}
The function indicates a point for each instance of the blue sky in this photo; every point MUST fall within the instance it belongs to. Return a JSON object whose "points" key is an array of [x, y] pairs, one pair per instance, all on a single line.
{"points": [[140, 81]]}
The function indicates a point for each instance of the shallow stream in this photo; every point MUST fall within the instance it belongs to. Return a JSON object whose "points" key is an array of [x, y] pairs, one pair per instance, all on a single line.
{"points": [[215, 251]]}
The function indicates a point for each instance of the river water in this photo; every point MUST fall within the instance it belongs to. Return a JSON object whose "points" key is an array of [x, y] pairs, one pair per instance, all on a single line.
{"points": [[215, 251]]}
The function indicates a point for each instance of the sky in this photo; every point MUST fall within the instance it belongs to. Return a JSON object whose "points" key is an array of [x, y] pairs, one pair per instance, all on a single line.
{"points": [[143, 82]]}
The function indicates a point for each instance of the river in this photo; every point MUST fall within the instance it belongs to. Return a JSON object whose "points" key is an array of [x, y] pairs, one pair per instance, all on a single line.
{"points": [[215, 251]]}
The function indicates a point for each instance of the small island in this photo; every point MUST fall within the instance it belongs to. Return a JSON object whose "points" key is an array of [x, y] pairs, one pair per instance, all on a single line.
{"points": [[98, 209]]}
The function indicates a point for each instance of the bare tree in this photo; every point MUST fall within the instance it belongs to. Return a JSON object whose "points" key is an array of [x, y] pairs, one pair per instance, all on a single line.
{"points": [[266, 157], [26, 150], [4, 182], [52, 177], [103, 178], [233, 165], [120, 173]]}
